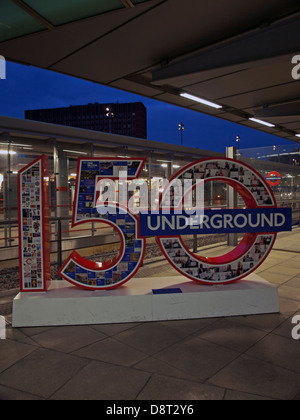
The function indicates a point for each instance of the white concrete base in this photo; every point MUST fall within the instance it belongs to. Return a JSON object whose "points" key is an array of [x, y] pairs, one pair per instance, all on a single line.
{"points": [[65, 304]]}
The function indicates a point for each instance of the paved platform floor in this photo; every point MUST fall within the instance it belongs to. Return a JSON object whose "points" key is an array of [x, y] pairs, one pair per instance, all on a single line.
{"points": [[244, 358]]}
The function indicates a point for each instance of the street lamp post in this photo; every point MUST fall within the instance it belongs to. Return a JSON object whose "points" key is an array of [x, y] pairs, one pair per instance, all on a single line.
{"points": [[181, 129], [275, 149], [109, 115], [238, 139]]}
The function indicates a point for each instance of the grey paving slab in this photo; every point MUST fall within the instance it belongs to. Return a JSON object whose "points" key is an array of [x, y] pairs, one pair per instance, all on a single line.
{"points": [[164, 368], [198, 358], [189, 326], [289, 307], [243, 396], [150, 338], [286, 270], [11, 352], [266, 323], [67, 339], [113, 329], [103, 381], [280, 351], [294, 282], [230, 334], [294, 262], [275, 278], [285, 329], [289, 241], [254, 376], [163, 388], [289, 292], [112, 351], [42, 372], [10, 394]]}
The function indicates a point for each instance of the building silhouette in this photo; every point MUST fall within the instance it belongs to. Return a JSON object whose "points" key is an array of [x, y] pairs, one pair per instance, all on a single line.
{"points": [[128, 119]]}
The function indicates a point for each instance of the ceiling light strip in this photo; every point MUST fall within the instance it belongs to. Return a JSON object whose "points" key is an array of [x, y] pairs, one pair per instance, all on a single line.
{"points": [[200, 100], [262, 122]]}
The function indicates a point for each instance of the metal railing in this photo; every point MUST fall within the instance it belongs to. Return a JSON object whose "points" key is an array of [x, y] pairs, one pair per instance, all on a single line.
{"points": [[81, 238], [60, 241]]}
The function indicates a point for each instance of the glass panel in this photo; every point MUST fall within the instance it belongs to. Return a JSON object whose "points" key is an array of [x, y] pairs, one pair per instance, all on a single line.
{"points": [[15, 22], [280, 165], [59, 12]]}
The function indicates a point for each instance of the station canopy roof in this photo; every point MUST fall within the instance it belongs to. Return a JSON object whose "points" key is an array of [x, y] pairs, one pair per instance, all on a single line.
{"points": [[235, 54]]}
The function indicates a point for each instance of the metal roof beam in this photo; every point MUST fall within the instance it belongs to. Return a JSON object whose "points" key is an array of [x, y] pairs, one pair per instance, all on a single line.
{"points": [[128, 4], [258, 47], [34, 14], [287, 110]]}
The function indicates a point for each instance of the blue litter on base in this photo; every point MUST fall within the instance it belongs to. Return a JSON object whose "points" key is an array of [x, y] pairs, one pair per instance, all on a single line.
{"points": [[166, 291]]}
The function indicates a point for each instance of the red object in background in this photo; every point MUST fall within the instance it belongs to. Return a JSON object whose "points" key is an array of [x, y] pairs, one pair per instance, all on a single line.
{"points": [[274, 178]]}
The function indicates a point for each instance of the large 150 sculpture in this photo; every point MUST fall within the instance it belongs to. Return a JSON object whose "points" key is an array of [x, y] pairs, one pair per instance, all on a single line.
{"points": [[170, 216]]}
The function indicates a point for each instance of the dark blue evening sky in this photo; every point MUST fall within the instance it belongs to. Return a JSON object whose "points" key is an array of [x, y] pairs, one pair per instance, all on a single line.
{"points": [[33, 88]]}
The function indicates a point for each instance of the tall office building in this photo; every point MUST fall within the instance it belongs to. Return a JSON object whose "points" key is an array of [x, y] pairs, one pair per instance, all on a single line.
{"points": [[129, 119]]}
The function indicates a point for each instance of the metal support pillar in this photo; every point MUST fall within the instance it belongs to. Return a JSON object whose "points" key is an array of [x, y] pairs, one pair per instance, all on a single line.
{"points": [[232, 198], [62, 187]]}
